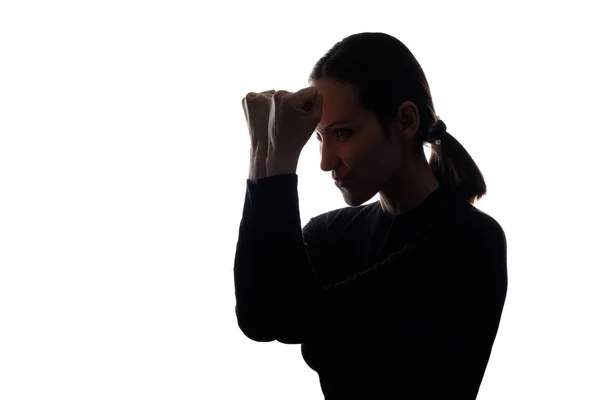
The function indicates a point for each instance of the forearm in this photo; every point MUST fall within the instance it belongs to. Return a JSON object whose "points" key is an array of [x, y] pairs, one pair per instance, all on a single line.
{"points": [[270, 234], [253, 286]]}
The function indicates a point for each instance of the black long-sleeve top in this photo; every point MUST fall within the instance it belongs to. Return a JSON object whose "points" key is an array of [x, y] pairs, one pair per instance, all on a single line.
{"points": [[385, 307]]}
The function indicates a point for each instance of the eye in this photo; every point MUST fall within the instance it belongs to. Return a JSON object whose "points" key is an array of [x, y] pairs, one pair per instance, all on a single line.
{"points": [[340, 133], [344, 133]]}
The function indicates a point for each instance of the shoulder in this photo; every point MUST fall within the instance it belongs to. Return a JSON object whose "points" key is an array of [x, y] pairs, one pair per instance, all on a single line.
{"points": [[476, 235], [484, 225]]}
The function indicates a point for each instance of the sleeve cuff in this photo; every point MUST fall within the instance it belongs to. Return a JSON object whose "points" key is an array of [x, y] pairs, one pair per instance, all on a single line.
{"points": [[273, 193]]}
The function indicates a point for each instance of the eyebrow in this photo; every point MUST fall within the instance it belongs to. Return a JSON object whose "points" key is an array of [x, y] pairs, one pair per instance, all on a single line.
{"points": [[334, 123]]}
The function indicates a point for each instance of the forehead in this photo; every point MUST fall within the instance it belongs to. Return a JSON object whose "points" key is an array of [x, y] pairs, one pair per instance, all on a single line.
{"points": [[340, 101]]}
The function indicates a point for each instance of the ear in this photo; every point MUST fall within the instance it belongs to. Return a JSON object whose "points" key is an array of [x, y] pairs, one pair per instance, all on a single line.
{"points": [[407, 120]]}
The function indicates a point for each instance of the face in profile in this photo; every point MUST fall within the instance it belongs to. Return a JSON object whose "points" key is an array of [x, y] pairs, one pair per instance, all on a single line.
{"points": [[353, 145]]}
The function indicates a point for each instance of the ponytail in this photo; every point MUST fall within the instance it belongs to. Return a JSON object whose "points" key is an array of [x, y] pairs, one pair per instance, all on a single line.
{"points": [[453, 166]]}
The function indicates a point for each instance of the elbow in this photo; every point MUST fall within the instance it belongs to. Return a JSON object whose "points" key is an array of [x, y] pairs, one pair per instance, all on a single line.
{"points": [[254, 325], [256, 335]]}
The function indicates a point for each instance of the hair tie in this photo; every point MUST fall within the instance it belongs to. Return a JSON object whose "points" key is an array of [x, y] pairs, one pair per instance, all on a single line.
{"points": [[436, 132]]}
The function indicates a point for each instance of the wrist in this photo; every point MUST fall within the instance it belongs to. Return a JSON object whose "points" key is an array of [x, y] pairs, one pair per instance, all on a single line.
{"points": [[280, 164], [259, 149], [258, 167]]}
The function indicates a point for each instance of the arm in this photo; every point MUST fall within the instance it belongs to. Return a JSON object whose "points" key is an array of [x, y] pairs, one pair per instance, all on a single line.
{"points": [[279, 297]]}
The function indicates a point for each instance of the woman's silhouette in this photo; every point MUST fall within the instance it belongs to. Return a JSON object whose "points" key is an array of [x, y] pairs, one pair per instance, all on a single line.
{"points": [[396, 299]]}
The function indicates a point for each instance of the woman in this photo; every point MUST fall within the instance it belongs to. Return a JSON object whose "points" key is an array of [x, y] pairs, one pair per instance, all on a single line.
{"points": [[400, 298]]}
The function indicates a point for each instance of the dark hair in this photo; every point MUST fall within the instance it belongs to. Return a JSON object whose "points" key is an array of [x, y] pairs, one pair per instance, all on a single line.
{"points": [[387, 74]]}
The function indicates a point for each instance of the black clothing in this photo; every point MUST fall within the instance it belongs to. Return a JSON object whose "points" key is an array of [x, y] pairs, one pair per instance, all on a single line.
{"points": [[385, 307]]}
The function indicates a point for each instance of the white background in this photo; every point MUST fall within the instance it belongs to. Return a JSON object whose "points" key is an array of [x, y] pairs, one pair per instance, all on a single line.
{"points": [[123, 164]]}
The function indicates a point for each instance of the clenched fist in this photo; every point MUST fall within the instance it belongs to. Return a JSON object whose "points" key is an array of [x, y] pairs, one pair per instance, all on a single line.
{"points": [[256, 109], [280, 123], [292, 121]]}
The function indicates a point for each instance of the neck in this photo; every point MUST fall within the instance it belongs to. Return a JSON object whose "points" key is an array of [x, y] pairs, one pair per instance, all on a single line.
{"points": [[408, 188]]}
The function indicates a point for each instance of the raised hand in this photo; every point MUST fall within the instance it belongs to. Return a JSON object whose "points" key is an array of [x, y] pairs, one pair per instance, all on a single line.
{"points": [[257, 109], [292, 121]]}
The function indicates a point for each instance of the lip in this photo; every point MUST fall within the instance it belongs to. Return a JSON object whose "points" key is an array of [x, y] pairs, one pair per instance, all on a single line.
{"points": [[341, 182]]}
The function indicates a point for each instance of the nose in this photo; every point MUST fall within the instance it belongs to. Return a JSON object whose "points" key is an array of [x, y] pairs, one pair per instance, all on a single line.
{"points": [[329, 158]]}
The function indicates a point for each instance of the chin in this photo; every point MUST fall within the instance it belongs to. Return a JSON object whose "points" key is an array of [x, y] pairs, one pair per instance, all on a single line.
{"points": [[354, 199]]}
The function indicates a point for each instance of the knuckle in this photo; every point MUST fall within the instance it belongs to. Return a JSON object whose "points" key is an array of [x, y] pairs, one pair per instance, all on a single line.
{"points": [[279, 95], [249, 97]]}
